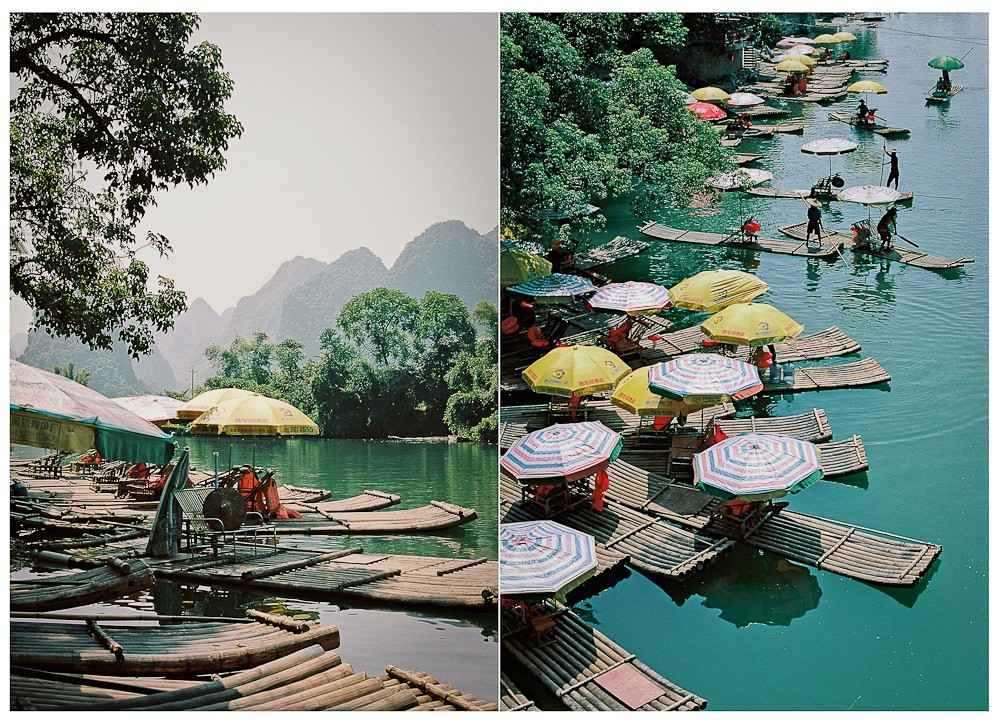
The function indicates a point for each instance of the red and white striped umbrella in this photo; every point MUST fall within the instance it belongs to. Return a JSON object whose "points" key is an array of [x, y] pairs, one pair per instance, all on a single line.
{"points": [[704, 379], [542, 558], [706, 111], [757, 466], [561, 453], [633, 298]]}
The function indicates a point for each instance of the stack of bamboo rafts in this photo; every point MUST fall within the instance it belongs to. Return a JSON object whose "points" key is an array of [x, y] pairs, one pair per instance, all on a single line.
{"points": [[312, 678], [55, 592]]}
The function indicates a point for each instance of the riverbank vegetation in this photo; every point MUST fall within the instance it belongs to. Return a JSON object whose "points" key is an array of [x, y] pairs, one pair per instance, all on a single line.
{"points": [[393, 365]]}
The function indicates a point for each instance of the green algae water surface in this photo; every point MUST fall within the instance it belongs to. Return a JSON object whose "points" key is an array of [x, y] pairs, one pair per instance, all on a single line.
{"points": [[758, 632]]}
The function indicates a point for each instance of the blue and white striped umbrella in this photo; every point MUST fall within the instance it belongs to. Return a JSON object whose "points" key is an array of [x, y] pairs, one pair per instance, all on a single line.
{"points": [[757, 466], [526, 245], [704, 379], [561, 453], [633, 298], [556, 288], [542, 558]]}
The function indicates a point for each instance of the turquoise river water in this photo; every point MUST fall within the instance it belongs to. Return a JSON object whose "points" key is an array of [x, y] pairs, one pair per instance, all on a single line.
{"points": [[757, 632]]}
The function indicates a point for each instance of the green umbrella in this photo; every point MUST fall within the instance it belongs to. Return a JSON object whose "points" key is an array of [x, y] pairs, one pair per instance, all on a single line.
{"points": [[946, 62]]}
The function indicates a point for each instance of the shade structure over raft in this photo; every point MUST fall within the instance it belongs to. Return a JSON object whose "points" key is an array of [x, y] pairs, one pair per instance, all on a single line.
{"points": [[704, 379], [207, 400], [554, 289], [154, 408], [633, 394], [50, 411], [631, 297], [254, 415], [541, 559], [520, 266], [757, 467], [751, 324], [712, 290], [561, 453], [575, 371]]}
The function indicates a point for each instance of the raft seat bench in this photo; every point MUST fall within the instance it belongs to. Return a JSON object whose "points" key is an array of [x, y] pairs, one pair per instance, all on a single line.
{"points": [[192, 503]]}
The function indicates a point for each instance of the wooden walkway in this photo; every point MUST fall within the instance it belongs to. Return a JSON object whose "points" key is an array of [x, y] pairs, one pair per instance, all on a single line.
{"points": [[310, 679], [588, 671], [651, 545], [828, 249], [612, 251], [833, 377], [512, 699], [411, 580], [900, 253]]}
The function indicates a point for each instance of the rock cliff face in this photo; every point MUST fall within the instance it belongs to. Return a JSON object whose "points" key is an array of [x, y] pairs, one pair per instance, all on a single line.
{"points": [[113, 372], [301, 299]]}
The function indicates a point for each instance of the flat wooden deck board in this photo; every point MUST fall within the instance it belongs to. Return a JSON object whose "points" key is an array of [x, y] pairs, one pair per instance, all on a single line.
{"points": [[575, 656], [783, 247], [832, 377], [899, 253]]}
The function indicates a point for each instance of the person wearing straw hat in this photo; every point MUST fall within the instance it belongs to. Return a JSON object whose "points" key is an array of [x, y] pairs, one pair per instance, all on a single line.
{"points": [[894, 169], [815, 218], [862, 111]]}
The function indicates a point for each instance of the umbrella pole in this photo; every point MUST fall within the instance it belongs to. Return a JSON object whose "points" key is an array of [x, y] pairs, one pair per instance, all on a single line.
{"points": [[230, 466], [881, 172], [253, 462], [216, 456]]}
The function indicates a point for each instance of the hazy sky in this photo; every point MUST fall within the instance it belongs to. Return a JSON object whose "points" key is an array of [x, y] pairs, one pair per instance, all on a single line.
{"points": [[359, 129]]}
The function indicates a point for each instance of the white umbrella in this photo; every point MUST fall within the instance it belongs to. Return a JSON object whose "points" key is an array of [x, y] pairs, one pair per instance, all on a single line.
{"points": [[744, 177], [744, 99], [830, 146]]}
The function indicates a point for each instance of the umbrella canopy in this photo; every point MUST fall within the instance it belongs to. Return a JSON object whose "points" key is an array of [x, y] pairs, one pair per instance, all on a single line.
{"points": [[710, 93], [829, 146], [790, 66], [712, 290], [554, 289], [757, 467], [706, 111], [744, 99], [844, 37], [207, 400], [633, 298], [561, 453], [825, 39], [867, 86], [518, 266], [154, 408], [805, 50], [575, 371], [744, 177], [254, 415], [870, 195], [54, 412], [793, 41], [752, 324], [526, 245], [799, 58], [542, 558], [704, 379], [946, 62], [633, 394], [689, 99]]}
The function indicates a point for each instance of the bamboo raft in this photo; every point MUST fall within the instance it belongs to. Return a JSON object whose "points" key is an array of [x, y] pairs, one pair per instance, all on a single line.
{"points": [[899, 254], [744, 158], [651, 545], [535, 417], [938, 96], [832, 342], [761, 111], [52, 592], [310, 679], [588, 671], [801, 194], [852, 119], [434, 517], [366, 501], [78, 644], [613, 251], [833, 377], [828, 248], [512, 699]]}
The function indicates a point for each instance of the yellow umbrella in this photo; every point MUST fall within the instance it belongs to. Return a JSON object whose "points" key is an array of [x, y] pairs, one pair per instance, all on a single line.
{"points": [[517, 266], [207, 400], [843, 36], [710, 93], [790, 66], [575, 371], [751, 324], [254, 415], [633, 394], [807, 61], [712, 290], [867, 86], [826, 39]]}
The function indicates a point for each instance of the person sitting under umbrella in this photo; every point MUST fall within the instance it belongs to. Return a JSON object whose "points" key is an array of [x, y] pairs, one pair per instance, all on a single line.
{"points": [[738, 125], [886, 229], [862, 111], [846, 55], [945, 82]]}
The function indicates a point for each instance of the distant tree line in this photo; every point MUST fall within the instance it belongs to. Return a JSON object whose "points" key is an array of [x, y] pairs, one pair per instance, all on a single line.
{"points": [[393, 365]]}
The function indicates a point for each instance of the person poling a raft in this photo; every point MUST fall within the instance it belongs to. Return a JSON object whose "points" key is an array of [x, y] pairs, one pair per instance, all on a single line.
{"points": [[815, 218], [894, 169], [886, 229]]}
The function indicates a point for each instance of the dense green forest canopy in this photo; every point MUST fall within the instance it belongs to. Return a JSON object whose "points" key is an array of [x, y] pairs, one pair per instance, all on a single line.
{"points": [[587, 113]]}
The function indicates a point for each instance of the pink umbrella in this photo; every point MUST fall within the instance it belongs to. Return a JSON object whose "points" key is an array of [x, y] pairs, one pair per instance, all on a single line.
{"points": [[793, 41], [706, 111]]}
